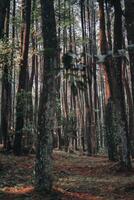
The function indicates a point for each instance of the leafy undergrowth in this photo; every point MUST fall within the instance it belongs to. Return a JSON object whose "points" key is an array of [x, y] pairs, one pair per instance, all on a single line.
{"points": [[76, 178]]}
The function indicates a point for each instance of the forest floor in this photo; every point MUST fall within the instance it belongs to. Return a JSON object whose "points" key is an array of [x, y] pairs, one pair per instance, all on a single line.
{"points": [[77, 177]]}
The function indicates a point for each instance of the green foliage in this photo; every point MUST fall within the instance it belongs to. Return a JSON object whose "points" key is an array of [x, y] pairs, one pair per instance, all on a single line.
{"points": [[69, 124], [27, 128], [68, 61], [83, 41], [23, 97], [74, 88], [49, 52], [81, 84], [113, 129], [77, 82], [5, 51], [58, 111]]}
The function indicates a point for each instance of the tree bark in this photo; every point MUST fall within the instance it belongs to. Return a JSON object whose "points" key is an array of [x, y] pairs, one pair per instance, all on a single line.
{"points": [[6, 75], [119, 95], [23, 76], [129, 16], [115, 80], [43, 166]]}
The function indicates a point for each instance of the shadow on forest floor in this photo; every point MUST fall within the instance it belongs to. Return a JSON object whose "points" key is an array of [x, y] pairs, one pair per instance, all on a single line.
{"points": [[76, 178]]}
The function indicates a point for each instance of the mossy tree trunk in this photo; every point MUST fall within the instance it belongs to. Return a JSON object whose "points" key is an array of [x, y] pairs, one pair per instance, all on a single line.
{"points": [[119, 96], [43, 166], [23, 76], [6, 73], [129, 16], [115, 80]]}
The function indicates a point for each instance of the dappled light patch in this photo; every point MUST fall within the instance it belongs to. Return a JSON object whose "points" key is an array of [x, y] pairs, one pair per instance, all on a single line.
{"points": [[16, 193], [18, 190]]}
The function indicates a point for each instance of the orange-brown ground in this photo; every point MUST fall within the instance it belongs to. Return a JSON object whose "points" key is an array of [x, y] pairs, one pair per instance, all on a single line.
{"points": [[75, 178]]}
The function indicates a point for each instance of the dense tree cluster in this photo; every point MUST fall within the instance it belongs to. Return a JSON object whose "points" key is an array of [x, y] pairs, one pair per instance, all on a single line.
{"points": [[67, 80]]}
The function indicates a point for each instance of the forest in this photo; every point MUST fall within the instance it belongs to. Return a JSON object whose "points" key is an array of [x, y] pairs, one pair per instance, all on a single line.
{"points": [[66, 99]]}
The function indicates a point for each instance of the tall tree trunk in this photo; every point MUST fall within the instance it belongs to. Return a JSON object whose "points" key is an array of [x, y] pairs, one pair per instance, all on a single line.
{"points": [[129, 16], [6, 80], [109, 107], [13, 64], [4, 6], [119, 95], [43, 166], [23, 76], [115, 79], [82, 7]]}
